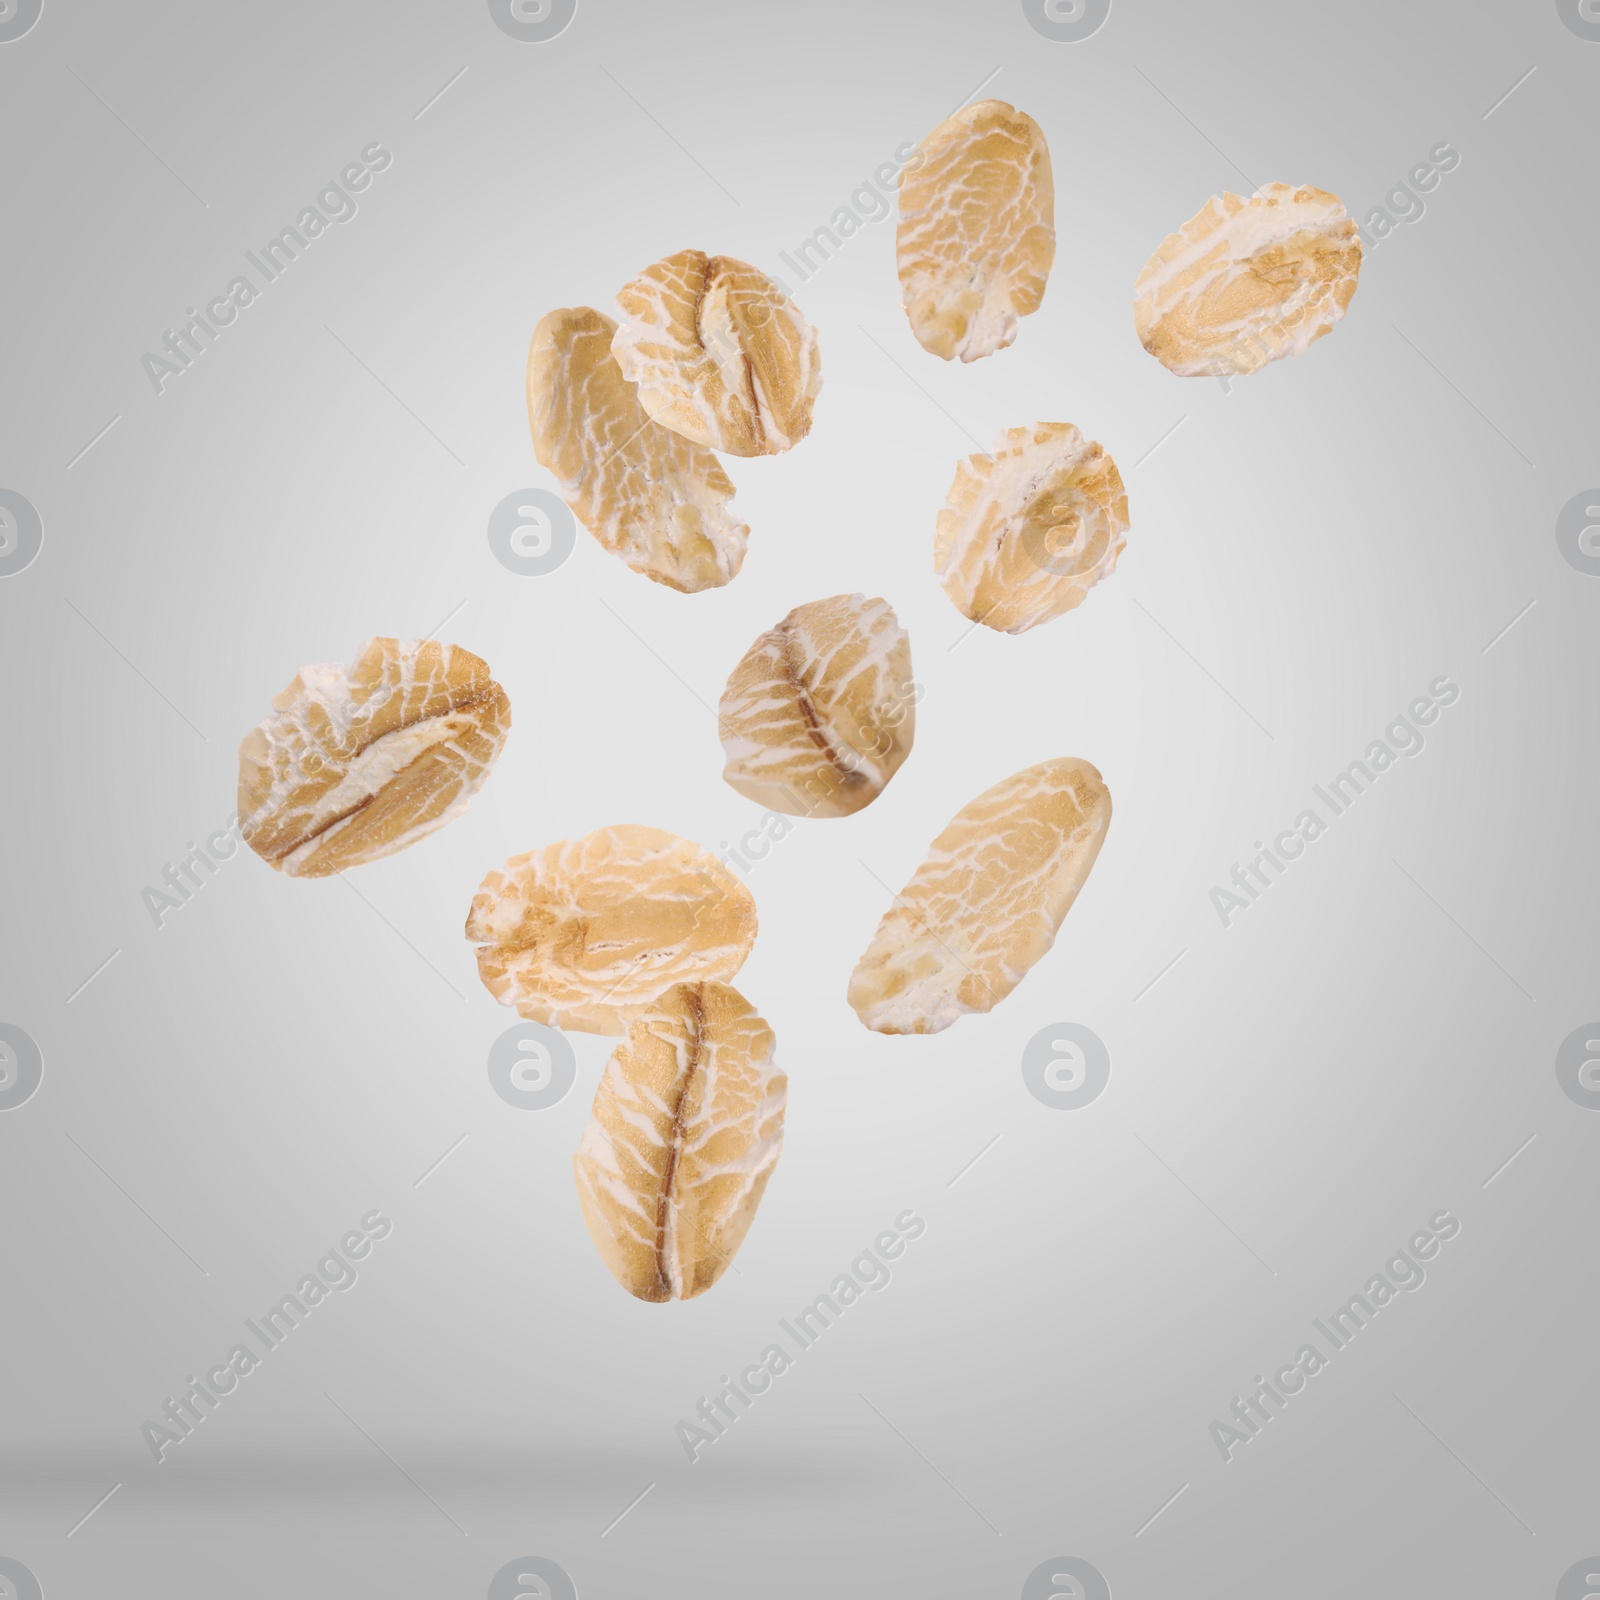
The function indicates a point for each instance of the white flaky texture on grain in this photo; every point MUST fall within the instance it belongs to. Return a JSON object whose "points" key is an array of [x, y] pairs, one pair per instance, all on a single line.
{"points": [[582, 933], [362, 761], [820, 712], [977, 232], [646, 493], [1248, 281], [988, 901], [1028, 531], [720, 353], [687, 1128]]}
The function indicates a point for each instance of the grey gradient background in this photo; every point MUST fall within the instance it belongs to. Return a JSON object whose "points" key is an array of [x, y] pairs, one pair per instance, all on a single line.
{"points": [[1290, 1097]]}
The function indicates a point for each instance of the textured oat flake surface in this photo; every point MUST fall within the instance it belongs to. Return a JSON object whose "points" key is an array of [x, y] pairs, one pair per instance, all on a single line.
{"points": [[986, 903], [820, 712], [1248, 281], [647, 494], [977, 236], [686, 1131], [583, 932], [362, 761], [720, 353], [1028, 530]]}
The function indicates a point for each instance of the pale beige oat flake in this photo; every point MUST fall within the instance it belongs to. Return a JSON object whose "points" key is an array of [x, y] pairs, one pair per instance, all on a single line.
{"points": [[720, 353], [821, 711], [1248, 281], [988, 901], [359, 762], [582, 933], [646, 493], [687, 1128], [1026, 532], [977, 235]]}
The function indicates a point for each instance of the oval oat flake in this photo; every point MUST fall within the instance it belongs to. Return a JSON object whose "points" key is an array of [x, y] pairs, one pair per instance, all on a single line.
{"points": [[582, 933], [720, 353], [988, 901], [820, 713], [359, 762], [977, 235], [1248, 281], [687, 1128], [1026, 532], [646, 493]]}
